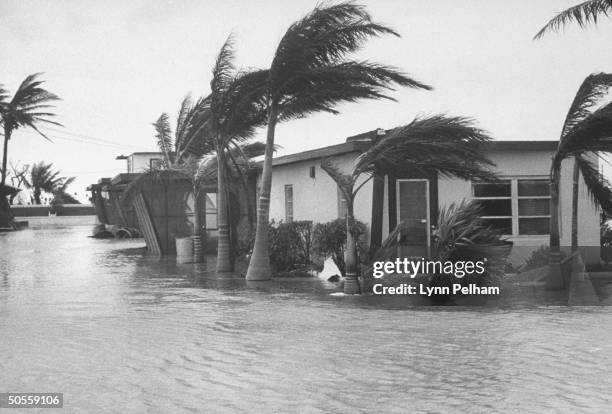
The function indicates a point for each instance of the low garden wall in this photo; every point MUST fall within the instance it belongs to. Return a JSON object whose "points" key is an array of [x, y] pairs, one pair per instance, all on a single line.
{"points": [[44, 210]]}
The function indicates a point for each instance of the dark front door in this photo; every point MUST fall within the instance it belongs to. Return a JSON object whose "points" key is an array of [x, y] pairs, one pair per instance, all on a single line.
{"points": [[413, 211]]}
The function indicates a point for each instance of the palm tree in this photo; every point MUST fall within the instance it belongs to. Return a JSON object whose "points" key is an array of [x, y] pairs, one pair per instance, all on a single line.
{"points": [[584, 13], [587, 129], [218, 124], [237, 109], [28, 108], [310, 73], [182, 153], [440, 145], [43, 178]]}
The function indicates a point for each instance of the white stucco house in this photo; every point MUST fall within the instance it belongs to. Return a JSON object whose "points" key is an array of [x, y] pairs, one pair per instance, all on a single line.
{"points": [[519, 204]]}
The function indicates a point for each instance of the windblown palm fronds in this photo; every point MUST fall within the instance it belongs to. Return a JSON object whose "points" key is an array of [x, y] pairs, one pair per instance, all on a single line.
{"points": [[237, 109], [29, 107], [587, 129], [462, 236], [449, 146], [311, 72], [163, 133], [42, 178], [597, 186], [584, 14]]}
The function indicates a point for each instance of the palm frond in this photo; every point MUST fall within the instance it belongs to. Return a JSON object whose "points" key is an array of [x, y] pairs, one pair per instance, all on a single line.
{"points": [[449, 146], [345, 182], [593, 89], [182, 120], [28, 106], [597, 186], [584, 14], [196, 139], [322, 37], [163, 133], [323, 88], [223, 72], [592, 134]]}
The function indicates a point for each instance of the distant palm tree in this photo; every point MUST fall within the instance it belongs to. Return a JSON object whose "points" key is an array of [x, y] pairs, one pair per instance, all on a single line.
{"points": [[584, 13], [237, 109], [310, 73], [29, 107], [587, 129], [437, 145], [43, 178]]}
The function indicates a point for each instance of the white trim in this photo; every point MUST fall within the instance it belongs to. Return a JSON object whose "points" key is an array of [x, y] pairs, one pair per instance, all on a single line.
{"points": [[427, 196]]}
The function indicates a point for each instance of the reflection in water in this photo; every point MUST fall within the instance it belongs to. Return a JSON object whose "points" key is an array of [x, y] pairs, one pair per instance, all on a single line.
{"points": [[116, 330]]}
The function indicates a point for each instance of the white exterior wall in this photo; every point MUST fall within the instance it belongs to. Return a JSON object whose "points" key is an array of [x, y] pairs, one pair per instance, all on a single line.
{"points": [[316, 198], [140, 162], [534, 164]]}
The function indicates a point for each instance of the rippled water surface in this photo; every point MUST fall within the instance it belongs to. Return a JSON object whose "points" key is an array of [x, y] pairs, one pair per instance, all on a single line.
{"points": [[118, 332]]}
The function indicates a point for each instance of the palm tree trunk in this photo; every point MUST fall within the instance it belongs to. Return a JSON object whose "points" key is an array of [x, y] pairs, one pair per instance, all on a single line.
{"points": [[555, 279], [224, 260], [37, 196], [198, 247], [259, 266], [7, 136], [576, 177], [351, 283]]}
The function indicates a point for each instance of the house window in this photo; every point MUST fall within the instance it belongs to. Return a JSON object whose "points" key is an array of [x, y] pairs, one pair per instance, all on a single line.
{"points": [[289, 203], [342, 205], [517, 207]]}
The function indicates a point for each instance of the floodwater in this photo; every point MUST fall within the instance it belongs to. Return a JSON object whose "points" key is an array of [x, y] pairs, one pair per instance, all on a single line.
{"points": [[118, 332]]}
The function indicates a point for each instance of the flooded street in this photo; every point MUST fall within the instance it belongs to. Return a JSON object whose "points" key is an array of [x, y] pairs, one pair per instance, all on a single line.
{"points": [[118, 332]]}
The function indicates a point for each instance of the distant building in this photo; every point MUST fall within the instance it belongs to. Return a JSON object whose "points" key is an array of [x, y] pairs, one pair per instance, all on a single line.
{"points": [[138, 162]]}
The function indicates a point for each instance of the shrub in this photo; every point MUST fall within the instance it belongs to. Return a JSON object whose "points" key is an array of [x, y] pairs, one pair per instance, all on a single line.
{"points": [[329, 239], [290, 245], [539, 258]]}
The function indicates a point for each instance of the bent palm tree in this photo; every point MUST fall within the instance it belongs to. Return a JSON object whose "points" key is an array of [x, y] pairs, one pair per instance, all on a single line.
{"points": [[587, 129], [584, 14], [310, 73], [445, 146], [237, 109], [589, 94], [28, 108], [43, 178]]}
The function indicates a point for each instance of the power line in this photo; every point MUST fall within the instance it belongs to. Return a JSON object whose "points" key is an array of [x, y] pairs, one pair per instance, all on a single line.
{"points": [[82, 140]]}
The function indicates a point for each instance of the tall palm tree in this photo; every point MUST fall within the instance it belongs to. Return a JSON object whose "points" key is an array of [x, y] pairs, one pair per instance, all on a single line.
{"points": [[310, 73], [29, 107], [440, 145], [584, 14], [43, 178], [587, 129], [237, 109]]}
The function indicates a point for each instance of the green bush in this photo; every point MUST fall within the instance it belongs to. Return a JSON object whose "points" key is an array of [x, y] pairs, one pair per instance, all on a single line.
{"points": [[329, 239]]}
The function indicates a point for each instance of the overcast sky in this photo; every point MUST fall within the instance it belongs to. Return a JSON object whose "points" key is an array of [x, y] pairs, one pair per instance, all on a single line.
{"points": [[118, 64]]}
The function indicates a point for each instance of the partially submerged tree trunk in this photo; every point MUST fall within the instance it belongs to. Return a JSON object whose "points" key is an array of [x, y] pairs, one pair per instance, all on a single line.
{"points": [[7, 136], [259, 266], [555, 278], [351, 281], [575, 188], [224, 259], [198, 247]]}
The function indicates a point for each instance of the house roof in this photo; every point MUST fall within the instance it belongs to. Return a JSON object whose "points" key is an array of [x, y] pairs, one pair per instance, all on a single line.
{"points": [[361, 142]]}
